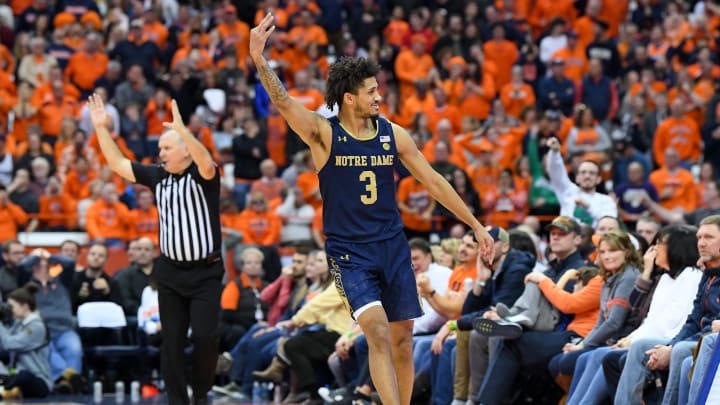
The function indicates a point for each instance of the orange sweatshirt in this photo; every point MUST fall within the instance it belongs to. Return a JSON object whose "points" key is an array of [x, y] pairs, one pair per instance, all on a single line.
{"points": [[585, 304]]}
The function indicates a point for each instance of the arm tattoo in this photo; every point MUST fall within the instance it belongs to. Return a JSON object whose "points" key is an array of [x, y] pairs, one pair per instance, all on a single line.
{"points": [[272, 84]]}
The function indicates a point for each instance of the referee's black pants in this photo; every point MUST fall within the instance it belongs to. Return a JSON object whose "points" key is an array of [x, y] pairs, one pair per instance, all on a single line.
{"points": [[309, 352], [189, 295]]}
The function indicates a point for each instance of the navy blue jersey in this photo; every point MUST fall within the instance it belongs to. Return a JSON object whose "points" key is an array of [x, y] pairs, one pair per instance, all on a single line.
{"points": [[357, 185]]}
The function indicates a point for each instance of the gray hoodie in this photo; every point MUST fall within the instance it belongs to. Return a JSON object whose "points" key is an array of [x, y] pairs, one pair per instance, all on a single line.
{"points": [[27, 342]]}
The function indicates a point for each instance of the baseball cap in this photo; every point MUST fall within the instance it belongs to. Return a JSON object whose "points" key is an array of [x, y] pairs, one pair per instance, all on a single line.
{"points": [[498, 234], [565, 224]]}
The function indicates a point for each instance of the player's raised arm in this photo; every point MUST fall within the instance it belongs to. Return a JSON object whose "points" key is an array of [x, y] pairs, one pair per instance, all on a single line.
{"points": [[307, 124], [116, 160], [439, 188]]}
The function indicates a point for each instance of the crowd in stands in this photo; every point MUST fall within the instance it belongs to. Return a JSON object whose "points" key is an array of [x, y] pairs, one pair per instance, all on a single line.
{"points": [[586, 134]]}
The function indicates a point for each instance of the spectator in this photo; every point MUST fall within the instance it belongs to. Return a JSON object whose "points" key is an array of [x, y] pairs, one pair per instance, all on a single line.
{"points": [[88, 65], [604, 50], [35, 67], [674, 184], [12, 253], [412, 65], [132, 280], [20, 193], [55, 307], [135, 89], [598, 92], [554, 41], [12, 217], [416, 208], [143, 221], [136, 51], [240, 302], [271, 186], [679, 132], [107, 219], [26, 342], [573, 54], [578, 200], [556, 92], [517, 95], [94, 284], [296, 216], [632, 194]]}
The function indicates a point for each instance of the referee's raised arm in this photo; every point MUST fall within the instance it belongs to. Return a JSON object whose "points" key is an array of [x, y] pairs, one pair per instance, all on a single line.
{"points": [[100, 119], [199, 153]]}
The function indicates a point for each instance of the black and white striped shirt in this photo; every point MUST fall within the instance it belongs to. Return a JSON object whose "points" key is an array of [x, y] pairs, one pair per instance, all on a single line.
{"points": [[189, 210]]}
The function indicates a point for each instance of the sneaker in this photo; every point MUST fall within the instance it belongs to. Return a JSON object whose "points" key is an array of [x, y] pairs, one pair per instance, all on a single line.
{"points": [[504, 329], [502, 310], [342, 395], [233, 390], [224, 363]]}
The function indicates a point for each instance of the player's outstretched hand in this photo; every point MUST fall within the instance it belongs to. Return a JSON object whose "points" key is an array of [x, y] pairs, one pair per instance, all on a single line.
{"points": [[260, 34], [486, 244]]}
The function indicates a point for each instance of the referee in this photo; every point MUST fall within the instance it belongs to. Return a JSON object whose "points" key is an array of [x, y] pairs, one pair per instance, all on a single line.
{"points": [[189, 272]]}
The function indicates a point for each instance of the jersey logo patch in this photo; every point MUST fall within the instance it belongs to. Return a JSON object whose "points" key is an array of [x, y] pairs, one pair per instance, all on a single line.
{"points": [[384, 138], [342, 138]]}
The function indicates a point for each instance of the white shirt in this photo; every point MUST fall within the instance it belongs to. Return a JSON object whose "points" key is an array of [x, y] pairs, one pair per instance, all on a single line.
{"points": [[670, 306], [297, 222], [431, 321], [599, 205], [549, 45]]}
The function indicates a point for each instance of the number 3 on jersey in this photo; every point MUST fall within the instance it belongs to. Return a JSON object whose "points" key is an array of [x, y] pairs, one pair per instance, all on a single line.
{"points": [[368, 177]]}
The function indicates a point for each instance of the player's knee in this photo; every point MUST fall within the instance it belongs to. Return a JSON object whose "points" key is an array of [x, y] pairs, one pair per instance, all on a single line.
{"points": [[376, 333]]}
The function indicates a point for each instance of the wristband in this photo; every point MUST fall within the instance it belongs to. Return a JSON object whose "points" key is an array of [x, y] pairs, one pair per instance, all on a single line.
{"points": [[349, 335], [479, 283], [452, 325]]}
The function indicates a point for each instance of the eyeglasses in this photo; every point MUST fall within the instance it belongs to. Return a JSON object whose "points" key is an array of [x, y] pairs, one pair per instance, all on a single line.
{"points": [[590, 172]]}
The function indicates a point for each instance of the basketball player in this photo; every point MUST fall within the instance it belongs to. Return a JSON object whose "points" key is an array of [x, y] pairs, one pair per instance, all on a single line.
{"points": [[355, 154]]}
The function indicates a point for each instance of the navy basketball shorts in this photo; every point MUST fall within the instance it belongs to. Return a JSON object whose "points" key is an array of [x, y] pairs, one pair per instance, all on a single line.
{"points": [[375, 273]]}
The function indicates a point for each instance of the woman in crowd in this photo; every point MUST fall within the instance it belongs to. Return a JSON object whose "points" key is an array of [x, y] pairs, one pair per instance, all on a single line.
{"points": [[26, 342], [666, 273], [619, 264]]}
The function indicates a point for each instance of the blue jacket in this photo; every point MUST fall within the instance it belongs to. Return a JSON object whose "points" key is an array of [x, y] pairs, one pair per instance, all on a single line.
{"points": [[505, 286], [557, 95], [706, 308], [597, 95]]}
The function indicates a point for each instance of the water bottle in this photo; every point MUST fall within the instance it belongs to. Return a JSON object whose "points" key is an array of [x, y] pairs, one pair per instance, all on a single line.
{"points": [[258, 313], [97, 392], [119, 392], [468, 284], [268, 391], [135, 392], [257, 393]]}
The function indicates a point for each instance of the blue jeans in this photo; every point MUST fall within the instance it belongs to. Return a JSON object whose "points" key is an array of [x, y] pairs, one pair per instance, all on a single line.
{"points": [[701, 366], [564, 363], [588, 383], [421, 350], [250, 354], [65, 352], [632, 380], [422, 355], [442, 374], [684, 384], [680, 352]]}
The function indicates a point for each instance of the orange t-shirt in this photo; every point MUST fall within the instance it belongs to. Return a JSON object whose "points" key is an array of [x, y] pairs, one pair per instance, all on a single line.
{"points": [[311, 98], [59, 210], [11, 217], [576, 64], [239, 35], [516, 97], [260, 228], [309, 184], [144, 224], [84, 69], [52, 114], [682, 134], [456, 282], [415, 195], [155, 117], [107, 220], [77, 186], [683, 185], [410, 67], [277, 139], [156, 32], [504, 54], [505, 208], [450, 112], [476, 105], [395, 32]]}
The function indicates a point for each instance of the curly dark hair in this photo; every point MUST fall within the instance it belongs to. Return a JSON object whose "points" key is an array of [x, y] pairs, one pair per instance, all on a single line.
{"points": [[346, 76]]}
